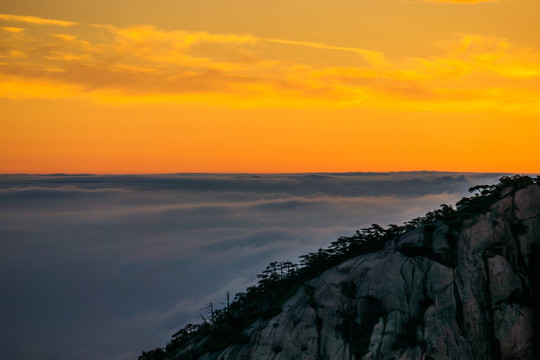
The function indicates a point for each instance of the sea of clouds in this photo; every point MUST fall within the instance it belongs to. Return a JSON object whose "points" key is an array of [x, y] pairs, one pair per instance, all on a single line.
{"points": [[103, 267]]}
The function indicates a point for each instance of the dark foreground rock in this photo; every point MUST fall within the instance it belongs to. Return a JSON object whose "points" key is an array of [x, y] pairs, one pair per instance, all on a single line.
{"points": [[438, 292], [466, 289]]}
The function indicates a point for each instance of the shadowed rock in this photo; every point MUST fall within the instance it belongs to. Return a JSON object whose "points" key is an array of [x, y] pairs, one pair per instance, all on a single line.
{"points": [[456, 289]]}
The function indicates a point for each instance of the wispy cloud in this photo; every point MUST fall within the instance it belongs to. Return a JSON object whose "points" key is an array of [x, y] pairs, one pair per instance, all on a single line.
{"points": [[35, 20], [372, 57], [12, 29], [147, 64]]}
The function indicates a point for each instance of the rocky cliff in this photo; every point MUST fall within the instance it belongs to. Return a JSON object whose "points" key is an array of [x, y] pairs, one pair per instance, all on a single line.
{"points": [[466, 289]]}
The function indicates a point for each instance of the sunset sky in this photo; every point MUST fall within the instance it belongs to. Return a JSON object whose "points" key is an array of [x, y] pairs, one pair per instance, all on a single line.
{"points": [[117, 86]]}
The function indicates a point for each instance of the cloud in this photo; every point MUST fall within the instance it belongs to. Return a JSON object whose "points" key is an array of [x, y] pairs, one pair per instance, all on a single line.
{"points": [[146, 34], [494, 55], [145, 64], [97, 267], [12, 29], [35, 20], [375, 58]]}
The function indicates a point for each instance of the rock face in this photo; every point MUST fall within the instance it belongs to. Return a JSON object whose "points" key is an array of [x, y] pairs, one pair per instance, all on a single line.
{"points": [[442, 291]]}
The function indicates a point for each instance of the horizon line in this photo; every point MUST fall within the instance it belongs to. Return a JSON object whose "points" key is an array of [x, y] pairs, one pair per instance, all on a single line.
{"points": [[270, 173]]}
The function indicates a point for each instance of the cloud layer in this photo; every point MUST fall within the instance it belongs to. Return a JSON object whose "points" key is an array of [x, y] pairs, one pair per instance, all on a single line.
{"points": [[143, 63], [102, 267]]}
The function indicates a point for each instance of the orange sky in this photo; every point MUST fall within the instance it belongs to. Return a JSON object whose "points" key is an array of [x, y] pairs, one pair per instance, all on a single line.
{"points": [[265, 86]]}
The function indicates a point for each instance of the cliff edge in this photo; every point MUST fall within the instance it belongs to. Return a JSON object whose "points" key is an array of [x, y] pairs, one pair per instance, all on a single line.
{"points": [[462, 287]]}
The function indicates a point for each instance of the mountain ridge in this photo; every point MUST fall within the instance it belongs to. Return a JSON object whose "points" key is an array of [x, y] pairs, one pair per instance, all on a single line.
{"points": [[457, 283]]}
